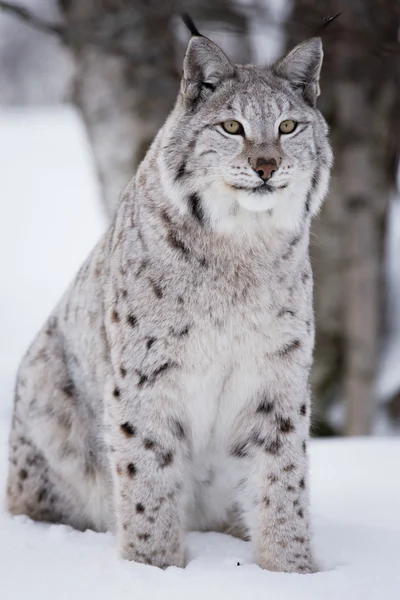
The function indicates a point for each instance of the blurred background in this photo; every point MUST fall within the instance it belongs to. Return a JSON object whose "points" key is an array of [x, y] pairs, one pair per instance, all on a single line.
{"points": [[84, 87]]}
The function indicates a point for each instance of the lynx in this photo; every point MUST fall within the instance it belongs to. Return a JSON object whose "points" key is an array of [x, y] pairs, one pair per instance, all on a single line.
{"points": [[168, 391]]}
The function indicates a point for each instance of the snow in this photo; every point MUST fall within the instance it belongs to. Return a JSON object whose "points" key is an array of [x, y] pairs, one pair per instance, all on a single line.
{"points": [[50, 219], [355, 492]]}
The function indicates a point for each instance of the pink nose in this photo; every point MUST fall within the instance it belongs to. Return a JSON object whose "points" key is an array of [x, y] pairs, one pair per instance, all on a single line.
{"points": [[266, 167]]}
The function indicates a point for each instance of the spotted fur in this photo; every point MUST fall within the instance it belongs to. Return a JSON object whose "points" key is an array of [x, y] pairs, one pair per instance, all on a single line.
{"points": [[168, 390]]}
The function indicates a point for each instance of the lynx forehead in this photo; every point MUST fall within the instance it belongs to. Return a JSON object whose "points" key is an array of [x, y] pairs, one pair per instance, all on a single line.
{"points": [[168, 390]]}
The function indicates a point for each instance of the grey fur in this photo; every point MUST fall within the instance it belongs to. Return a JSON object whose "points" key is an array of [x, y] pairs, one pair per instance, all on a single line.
{"points": [[169, 389]]}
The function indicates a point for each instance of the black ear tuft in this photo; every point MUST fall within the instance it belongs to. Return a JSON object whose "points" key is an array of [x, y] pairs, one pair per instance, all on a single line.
{"points": [[326, 21], [187, 19]]}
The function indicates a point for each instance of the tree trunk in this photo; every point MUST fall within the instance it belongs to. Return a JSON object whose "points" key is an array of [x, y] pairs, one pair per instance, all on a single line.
{"points": [[123, 101], [359, 97]]}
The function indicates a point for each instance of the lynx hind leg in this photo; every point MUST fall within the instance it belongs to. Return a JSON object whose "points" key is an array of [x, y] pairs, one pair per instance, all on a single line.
{"points": [[31, 489], [54, 473]]}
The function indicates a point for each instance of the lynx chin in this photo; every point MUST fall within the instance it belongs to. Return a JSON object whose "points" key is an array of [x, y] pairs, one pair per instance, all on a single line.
{"points": [[168, 390]]}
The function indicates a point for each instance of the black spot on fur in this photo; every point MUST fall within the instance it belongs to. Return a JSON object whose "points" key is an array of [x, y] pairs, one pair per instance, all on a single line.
{"points": [[290, 347], [308, 202], [141, 268], [128, 429], [272, 478], [183, 331], [181, 170], [289, 468], [304, 445], [116, 392], [273, 447], [142, 379], [240, 450], [176, 243], [286, 311], [291, 488], [23, 474], [165, 459], [143, 536], [302, 483], [42, 495], [115, 316], [296, 239], [148, 444], [178, 429], [131, 470], [299, 540], [51, 326], [265, 407], [165, 217], [161, 369], [122, 370], [203, 262], [285, 425], [157, 289], [288, 253], [315, 180], [303, 409], [68, 388], [131, 320], [180, 300], [196, 208], [139, 507], [150, 342]]}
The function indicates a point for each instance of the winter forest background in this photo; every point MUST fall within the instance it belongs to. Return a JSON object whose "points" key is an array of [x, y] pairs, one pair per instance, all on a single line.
{"points": [[118, 63], [84, 87]]}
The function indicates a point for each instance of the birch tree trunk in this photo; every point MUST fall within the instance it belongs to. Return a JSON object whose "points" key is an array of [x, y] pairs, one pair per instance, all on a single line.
{"points": [[123, 101], [360, 94]]}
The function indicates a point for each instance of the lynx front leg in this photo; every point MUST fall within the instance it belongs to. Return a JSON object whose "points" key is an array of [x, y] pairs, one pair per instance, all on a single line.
{"points": [[148, 454], [282, 535], [277, 498]]}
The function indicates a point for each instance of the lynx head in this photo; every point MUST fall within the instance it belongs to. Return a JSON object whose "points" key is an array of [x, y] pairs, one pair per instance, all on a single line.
{"points": [[246, 142]]}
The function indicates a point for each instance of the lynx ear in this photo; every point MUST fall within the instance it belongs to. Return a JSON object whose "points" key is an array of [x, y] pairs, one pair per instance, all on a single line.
{"points": [[204, 66], [302, 67]]}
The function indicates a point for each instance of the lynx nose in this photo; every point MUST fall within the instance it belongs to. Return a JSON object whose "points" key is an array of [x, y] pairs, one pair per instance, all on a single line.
{"points": [[266, 167]]}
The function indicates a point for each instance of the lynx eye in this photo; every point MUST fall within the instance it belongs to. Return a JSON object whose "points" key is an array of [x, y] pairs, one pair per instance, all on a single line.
{"points": [[233, 127], [287, 126]]}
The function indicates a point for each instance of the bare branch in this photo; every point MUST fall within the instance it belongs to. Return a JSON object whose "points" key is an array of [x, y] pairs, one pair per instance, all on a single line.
{"points": [[77, 35], [28, 17]]}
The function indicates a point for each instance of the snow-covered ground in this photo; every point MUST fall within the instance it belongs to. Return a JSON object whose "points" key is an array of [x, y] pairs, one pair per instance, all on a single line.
{"points": [[355, 501], [49, 221]]}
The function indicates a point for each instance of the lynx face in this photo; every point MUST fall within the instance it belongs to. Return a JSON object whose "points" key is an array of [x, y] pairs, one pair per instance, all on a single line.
{"points": [[249, 136]]}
